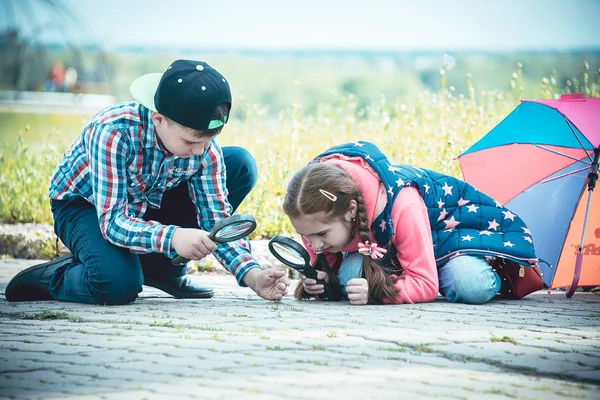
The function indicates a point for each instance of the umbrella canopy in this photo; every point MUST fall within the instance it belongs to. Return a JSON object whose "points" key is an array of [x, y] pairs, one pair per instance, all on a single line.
{"points": [[541, 161]]}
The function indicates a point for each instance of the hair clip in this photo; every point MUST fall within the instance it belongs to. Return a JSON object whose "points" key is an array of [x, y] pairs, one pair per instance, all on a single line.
{"points": [[330, 196], [371, 250]]}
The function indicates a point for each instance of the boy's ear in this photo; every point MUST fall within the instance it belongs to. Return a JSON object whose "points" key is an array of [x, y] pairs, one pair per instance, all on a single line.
{"points": [[158, 118]]}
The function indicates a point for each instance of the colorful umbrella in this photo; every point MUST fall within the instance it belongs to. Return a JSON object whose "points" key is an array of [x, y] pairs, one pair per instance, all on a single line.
{"points": [[541, 161]]}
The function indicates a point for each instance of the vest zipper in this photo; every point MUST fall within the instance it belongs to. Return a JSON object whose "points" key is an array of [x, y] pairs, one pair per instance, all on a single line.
{"points": [[518, 260]]}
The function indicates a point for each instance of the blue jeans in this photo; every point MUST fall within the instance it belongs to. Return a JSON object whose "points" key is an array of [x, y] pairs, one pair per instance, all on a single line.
{"points": [[103, 273], [469, 280], [351, 268], [464, 279]]}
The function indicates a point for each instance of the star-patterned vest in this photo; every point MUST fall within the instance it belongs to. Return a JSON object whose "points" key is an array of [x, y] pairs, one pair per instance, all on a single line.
{"points": [[463, 220]]}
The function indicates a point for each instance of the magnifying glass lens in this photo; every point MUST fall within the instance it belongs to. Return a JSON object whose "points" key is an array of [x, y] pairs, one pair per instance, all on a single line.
{"points": [[239, 229], [289, 254]]}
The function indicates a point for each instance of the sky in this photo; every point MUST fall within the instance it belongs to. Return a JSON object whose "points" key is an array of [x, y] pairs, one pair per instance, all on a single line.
{"points": [[379, 25]]}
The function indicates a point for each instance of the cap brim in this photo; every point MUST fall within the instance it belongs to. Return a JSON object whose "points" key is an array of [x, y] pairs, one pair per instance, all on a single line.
{"points": [[144, 88]]}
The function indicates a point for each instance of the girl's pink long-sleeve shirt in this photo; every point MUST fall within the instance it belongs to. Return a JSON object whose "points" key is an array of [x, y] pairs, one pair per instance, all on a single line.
{"points": [[412, 239]]}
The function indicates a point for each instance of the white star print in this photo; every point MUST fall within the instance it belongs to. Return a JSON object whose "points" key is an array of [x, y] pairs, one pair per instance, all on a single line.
{"points": [[462, 202], [426, 186], [451, 223], [440, 203], [472, 208], [447, 189], [442, 214], [359, 144], [391, 190], [467, 238], [382, 225], [508, 244], [498, 204], [493, 225], [369, 158], [487, 233], [393, 169], [527, 238], [400, 182], [509, 215], [526, 230]]}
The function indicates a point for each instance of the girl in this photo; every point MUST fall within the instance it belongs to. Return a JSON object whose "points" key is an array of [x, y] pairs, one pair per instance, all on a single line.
{"points": [[399, 234]]}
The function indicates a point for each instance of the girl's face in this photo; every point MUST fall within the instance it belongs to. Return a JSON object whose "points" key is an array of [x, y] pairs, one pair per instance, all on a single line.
{"points": [[326, 233]]}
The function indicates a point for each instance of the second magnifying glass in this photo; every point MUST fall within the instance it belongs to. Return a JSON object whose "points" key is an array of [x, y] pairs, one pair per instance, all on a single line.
{"points": [[292, 254], [226, 230]]}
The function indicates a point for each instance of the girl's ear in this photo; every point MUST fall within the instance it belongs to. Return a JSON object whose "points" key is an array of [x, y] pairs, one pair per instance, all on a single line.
{"points": [[352, 210]]}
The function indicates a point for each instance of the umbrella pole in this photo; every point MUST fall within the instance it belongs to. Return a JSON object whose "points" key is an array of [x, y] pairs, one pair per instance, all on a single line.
{"points": [[592, 178]]}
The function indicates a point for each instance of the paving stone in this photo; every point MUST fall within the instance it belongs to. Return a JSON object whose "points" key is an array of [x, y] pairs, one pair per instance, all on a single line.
{"points": [[237, 345]]}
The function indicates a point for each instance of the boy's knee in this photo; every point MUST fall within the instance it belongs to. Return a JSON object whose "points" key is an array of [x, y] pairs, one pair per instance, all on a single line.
{"points": [[119, 293], [248, 167], [245, 162], [120, 285]]}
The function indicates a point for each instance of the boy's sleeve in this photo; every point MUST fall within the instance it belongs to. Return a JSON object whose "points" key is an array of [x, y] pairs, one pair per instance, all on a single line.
{"points": [[107, 150], [419, 282], [209, 195]]}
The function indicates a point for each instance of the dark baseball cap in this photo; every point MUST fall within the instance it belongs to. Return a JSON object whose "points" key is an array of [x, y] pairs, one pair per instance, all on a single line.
{"points": [[188, 92]]}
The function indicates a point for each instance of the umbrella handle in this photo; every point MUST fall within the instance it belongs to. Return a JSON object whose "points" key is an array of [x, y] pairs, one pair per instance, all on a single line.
{"points": [[592, 177], [576, 274]]}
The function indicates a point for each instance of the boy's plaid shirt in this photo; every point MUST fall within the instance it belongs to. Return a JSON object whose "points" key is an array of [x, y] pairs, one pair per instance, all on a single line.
{"points": [[117, 165]]}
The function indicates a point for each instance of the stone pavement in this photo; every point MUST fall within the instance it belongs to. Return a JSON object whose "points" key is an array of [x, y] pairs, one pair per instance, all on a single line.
{"points": [[238, 346]]}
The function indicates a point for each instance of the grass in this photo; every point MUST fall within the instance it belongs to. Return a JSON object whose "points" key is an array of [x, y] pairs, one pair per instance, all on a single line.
{"points": [[47, 315], [507, 339], [428, 131]]}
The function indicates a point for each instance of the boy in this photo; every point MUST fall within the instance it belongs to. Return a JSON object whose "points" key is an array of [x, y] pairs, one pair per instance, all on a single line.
{"points": [[145, 181]]}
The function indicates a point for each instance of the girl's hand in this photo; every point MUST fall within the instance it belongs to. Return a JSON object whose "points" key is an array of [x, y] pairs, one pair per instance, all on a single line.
{"points": [[358, 291], [311, 286]]}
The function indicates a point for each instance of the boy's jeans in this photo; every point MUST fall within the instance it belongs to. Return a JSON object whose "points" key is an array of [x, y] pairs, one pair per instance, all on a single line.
{"points": [[464, 279], [109, 274]]}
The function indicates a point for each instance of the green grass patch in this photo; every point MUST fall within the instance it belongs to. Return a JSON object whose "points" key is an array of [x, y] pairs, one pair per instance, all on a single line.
{"points": [[43, 316], [508, 339]]}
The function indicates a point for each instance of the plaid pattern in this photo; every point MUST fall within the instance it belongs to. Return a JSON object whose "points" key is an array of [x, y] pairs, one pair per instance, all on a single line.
{"points": [[117, 165]]}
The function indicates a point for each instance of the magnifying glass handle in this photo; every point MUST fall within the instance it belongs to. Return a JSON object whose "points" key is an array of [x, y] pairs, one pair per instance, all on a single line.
{"points": [[327, 290], [180, 260]]}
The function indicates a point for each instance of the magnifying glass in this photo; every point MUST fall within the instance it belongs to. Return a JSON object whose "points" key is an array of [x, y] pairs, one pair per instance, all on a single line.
{"points": [[294, 255], [226, 230]]}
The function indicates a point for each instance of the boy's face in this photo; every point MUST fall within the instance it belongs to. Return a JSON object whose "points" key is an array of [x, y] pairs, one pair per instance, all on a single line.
{"points": [[179, 140]]}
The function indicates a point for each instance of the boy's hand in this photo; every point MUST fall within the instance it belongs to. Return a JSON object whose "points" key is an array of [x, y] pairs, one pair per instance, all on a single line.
{"points": [[193, 244], [358, 291], [311, 286], [270, 283]]}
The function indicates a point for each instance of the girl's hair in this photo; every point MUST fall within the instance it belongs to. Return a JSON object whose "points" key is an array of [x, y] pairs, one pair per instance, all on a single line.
{"points": [[303, 197], [219, 114]]}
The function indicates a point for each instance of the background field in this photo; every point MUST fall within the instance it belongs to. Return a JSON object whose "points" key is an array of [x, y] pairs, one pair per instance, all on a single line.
{"points": [[298, 87], [427, 128]]}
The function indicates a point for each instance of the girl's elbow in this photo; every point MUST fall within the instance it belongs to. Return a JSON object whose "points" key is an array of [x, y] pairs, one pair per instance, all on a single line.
{"points": [[432, 291]]}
